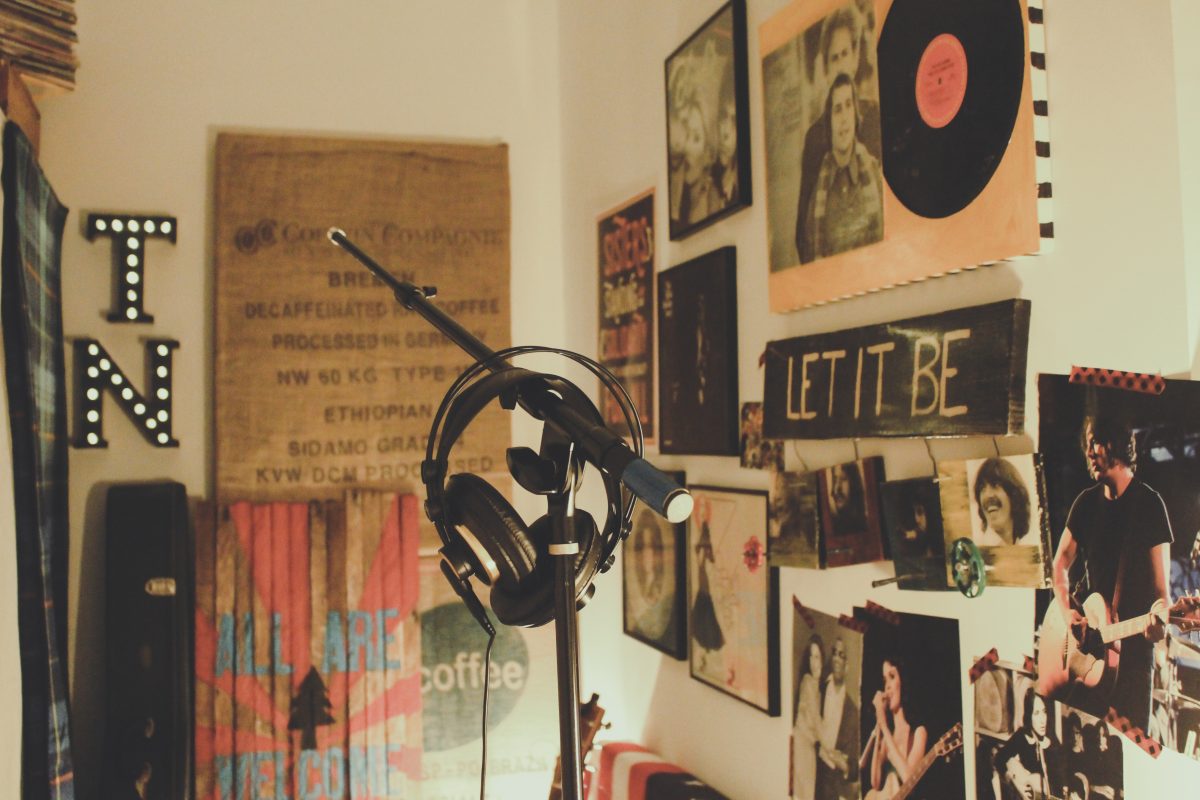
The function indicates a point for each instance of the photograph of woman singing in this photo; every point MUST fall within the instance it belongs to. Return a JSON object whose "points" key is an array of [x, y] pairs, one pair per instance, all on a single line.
{"points": [[911, 674]]}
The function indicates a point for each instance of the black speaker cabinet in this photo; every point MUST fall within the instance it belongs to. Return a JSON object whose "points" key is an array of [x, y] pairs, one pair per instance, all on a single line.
{"points": [[149, 621]]}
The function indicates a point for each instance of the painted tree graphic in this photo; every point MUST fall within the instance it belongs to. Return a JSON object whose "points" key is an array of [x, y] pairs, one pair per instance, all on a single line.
{"points": [[310, 708]]}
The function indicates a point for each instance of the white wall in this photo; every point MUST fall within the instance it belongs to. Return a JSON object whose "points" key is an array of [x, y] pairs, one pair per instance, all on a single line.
{"points": [[1186, 23], [1120, 248], [158, 80]]}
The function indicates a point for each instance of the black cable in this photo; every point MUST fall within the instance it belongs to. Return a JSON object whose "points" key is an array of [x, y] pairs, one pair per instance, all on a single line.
{"points": [[487, 682]]}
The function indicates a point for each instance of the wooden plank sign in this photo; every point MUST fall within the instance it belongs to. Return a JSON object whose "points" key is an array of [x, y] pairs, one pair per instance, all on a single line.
{"points": [[956, 373], [308, 660]]}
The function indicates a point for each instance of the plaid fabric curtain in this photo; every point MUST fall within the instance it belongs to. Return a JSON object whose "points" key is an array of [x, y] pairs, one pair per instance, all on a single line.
{"points": [[31, 314]]}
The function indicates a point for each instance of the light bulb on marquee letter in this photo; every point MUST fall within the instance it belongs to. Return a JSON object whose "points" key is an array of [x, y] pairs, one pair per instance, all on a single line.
{"points": [[129, 233], [97, 373]]}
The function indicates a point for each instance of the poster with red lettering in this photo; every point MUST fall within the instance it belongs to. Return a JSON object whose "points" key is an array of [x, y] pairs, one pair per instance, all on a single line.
{"points": [[626, 253]]}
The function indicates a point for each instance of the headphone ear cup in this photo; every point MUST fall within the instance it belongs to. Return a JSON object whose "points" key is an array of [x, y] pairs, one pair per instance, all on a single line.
{"points": [[533, 604], [474, 504]]}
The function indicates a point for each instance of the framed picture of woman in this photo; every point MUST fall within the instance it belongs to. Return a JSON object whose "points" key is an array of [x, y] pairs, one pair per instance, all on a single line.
{"points": [[652, 581], [733, 597], [708, 123]]}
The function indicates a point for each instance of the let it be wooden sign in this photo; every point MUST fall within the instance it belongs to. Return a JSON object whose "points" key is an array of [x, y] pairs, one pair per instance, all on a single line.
{"points": [[957, 373]]}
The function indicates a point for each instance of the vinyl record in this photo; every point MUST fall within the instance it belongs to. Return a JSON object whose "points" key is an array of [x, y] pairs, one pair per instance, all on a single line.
{"points": [[950, 77]]}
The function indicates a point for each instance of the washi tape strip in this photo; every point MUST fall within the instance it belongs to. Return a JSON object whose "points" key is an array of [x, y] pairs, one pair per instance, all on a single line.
{"points": [[984, 664], [853, 624], [803, 612], [1116, 379], [1133, 733], [885, 614]]}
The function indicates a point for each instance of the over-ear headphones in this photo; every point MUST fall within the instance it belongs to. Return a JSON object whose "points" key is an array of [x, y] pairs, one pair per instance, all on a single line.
{"points": [[482, 535]]}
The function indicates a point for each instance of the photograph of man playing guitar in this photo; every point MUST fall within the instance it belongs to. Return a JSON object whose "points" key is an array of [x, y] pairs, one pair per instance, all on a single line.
{"points": [[1115, 547]]}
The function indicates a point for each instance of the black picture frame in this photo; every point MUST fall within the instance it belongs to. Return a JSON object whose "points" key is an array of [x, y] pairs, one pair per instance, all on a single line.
{"points": [[707, 80], [698, 355], [655, 615], [912, 517], [733, 645]]}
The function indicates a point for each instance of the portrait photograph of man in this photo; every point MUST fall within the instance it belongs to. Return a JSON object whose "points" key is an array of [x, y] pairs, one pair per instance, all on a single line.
{"points": [[1004, 502], [996, 503], [849, 495], [825, 181]]}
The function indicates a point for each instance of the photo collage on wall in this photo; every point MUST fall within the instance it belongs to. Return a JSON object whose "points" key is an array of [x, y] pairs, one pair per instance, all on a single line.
{"points": [[847, 213], [871, 690]]}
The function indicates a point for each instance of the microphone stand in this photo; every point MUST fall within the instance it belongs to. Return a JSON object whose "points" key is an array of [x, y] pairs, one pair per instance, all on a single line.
{"points": [[567, 440]]}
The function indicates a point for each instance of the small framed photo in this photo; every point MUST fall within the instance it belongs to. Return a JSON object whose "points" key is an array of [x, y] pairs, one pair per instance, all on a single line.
{"points": [[794, 528], [708, 123], [849, 495], [697, 356], [733, 597], [912, 516], [653, 581], [998, 503], [758, 452]]}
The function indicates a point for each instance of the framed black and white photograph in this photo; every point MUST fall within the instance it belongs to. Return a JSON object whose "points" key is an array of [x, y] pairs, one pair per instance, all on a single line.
{"points": [[708, 123], [997, 502], [697, 356], [826, 693], [733, 597], [653, 581]]}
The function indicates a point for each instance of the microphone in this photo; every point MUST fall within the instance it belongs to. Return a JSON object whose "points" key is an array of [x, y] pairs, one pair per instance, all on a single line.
{"points": [[608, 452], [601, 447]]}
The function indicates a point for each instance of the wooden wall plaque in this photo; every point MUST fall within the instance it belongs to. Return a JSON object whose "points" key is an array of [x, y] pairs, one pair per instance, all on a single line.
{"points": [[323, 381], [957, 373]]}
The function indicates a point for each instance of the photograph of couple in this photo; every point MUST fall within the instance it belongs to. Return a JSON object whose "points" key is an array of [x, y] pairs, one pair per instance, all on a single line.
{"points": [[827, 659]]}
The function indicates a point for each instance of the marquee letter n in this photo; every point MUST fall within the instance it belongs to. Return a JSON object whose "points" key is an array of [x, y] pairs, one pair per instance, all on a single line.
{"points": [[97, 373]]}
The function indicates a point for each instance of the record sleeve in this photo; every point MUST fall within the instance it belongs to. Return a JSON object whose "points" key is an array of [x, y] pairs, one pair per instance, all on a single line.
{"points": [[943, 212]]}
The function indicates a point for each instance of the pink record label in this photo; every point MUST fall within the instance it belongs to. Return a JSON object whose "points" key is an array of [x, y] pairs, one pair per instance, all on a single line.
{"points": [[941, 80]]}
